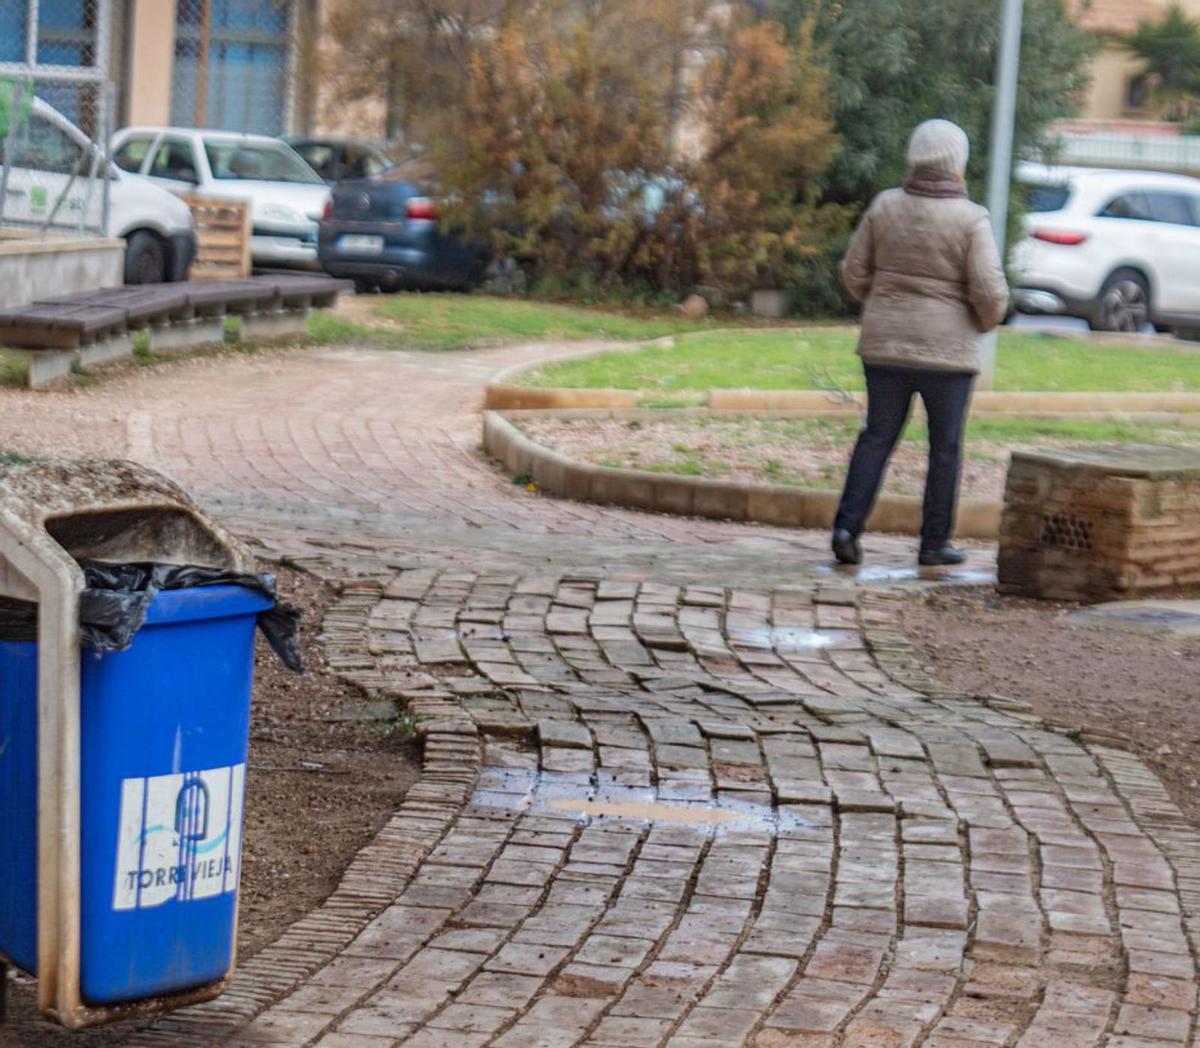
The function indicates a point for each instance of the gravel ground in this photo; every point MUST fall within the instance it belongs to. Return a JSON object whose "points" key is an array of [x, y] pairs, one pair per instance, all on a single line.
{"points": [[776, 451], [1140, 685], [88, 416], [321, 782]]}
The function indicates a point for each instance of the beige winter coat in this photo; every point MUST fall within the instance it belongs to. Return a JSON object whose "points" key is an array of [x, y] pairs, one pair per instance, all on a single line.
{"points": [[929, 276]]}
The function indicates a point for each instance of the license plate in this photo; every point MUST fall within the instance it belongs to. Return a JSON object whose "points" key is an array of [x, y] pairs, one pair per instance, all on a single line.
{"points": [[363, 245]]}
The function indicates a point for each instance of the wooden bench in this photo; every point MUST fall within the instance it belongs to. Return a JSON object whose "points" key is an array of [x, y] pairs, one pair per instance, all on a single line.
{"points": [[260, 303], [144, 305], [95, 327], [61, 335], [310, 291]]}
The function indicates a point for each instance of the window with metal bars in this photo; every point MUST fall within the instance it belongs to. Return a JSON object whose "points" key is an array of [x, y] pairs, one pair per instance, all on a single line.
{"points": [[232, 64]]}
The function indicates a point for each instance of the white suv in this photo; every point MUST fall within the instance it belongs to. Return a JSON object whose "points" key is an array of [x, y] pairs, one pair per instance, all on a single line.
{"points": [[1119, 249], [47, 186], [287, 197]]}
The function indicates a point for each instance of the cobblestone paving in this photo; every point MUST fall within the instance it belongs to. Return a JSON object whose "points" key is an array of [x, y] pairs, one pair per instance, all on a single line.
{"points": [[714, 817], [683, 783]]}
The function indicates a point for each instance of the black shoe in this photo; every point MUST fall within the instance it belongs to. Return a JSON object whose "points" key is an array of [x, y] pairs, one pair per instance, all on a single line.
{"points": [[846, 547], [943, 557]]}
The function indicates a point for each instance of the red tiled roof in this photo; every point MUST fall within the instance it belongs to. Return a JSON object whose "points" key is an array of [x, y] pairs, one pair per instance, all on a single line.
{"points": [[1117, 16]]}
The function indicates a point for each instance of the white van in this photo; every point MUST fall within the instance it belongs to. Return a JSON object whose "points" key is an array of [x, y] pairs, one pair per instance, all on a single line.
{"points": [[48, 184]]}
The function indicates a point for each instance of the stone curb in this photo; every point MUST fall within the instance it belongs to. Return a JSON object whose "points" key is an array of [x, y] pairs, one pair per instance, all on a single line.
{"points": [[378, 874], [786, 507]]}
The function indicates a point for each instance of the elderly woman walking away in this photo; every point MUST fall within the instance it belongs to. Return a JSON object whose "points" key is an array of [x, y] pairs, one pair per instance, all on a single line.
{"points": [[925, 266]]}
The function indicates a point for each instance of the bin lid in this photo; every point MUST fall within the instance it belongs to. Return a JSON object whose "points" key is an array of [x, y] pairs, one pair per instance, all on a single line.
{"points": [[204, 602], [95, 509]]}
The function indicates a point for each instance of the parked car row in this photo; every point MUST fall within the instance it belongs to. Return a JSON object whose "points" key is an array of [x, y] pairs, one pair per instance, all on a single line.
{"points": [[321, 202], [288, 187], [1114, 248], [286, 196]]}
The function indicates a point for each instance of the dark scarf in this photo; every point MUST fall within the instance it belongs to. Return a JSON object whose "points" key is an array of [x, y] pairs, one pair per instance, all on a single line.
{"points": [[926, 182]]}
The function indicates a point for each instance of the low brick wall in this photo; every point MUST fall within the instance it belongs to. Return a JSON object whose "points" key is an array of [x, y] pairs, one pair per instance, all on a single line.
{"points": [[1101, 524]]}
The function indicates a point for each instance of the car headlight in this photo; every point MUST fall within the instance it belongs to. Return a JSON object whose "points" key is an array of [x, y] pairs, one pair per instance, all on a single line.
{"points": [[282, 213]]}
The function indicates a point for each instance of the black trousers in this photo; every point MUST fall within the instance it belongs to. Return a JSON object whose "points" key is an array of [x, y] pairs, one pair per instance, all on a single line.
{"points": [[946, 395]]}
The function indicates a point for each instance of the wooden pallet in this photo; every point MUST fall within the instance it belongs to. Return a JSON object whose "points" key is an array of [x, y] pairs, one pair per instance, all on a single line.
{"points": [[223, 232]]}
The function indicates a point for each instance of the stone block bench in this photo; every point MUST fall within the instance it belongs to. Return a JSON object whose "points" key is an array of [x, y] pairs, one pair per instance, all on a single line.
{"points": [[90, 328], [1102, 523]]}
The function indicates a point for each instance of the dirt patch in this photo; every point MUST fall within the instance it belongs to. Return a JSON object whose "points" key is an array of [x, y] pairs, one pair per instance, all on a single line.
{"points": [[322, 781], [800, 452], [322, 778], [1082, 675]]}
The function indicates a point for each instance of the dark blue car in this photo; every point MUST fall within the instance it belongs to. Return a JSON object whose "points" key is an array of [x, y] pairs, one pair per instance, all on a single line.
{"points": [[385, 233]]}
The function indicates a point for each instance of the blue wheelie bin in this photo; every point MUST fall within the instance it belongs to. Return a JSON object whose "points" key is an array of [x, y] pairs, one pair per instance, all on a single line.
{"points": [[164, 736]]}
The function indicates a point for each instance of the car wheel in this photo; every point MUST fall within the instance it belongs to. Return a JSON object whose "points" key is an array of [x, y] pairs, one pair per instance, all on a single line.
{"points": [[1123, 303], [145, 259]]}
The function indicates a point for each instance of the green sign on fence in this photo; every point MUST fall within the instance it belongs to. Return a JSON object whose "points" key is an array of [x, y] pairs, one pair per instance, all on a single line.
{"points": [[16, 97]]}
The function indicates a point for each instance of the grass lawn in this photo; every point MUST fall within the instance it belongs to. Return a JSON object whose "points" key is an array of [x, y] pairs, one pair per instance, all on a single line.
{"points": [[13, 369], [815, 358], [445, 322]]}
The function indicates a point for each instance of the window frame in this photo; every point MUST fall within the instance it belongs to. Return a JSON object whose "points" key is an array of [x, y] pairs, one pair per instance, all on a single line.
{"points": [[333, 165], [26, 145], [1127, 194], [166, 140], [211, 147], [1147, 197], [151, 140], [1181, 199]]}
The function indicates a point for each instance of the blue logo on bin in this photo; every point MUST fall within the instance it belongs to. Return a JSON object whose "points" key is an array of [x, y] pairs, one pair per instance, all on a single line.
{"points": [[180, 837]]}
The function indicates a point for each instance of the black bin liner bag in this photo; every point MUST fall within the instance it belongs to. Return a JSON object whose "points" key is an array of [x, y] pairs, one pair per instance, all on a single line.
{"points": [[116, 598]]}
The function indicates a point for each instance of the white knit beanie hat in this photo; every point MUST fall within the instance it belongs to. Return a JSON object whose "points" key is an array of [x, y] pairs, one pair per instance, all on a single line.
{"points": [[940, 146]]}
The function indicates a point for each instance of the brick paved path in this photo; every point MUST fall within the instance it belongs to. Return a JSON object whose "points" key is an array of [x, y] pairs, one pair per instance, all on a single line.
{"points": [[683, 783]]}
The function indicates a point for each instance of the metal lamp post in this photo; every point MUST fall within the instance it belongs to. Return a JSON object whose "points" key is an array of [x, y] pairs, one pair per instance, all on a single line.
{"points": [[1004, 112]]}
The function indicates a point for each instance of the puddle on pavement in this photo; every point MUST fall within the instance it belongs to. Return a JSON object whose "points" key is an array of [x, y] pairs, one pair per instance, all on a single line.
{"points": [[526, 792], [883, 575], [652, 811], [785, 640]]}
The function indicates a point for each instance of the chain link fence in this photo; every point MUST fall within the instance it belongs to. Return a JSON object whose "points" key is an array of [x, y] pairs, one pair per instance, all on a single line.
{"points": [[233, 63], [56, 104]]}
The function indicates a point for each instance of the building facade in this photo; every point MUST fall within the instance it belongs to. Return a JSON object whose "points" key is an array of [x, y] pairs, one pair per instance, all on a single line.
{"points": [[1118, 91], [65, 48], [229, 64]]}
